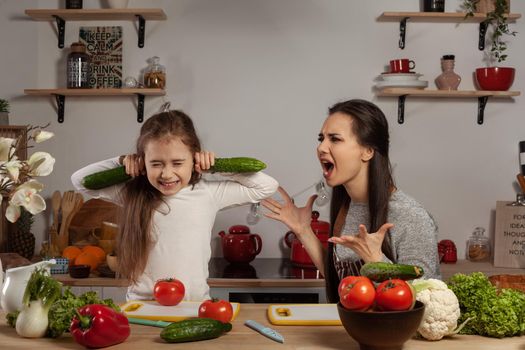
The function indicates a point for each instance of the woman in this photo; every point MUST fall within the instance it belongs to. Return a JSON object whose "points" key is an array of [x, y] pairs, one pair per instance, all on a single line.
{"points": [[371, 219]]}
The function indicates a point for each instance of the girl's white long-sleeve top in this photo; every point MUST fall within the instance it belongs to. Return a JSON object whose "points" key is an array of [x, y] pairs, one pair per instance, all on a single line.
{"points": [[182, 228]]}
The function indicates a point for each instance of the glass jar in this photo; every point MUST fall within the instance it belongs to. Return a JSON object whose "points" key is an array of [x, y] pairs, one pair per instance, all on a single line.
{"points": [[78, 67], [155, 74], [478, 246]]}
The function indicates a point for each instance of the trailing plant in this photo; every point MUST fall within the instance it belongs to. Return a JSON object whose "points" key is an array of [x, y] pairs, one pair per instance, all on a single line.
{"points": [[497, 20]]}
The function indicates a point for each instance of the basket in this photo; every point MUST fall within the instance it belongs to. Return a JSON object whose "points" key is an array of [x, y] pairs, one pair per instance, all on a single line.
{"points": [[508, 281]]}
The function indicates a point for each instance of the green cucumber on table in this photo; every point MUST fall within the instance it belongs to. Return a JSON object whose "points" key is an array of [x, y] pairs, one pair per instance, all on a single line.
{"points": [[194, 329], [110, 177], [382, 271]]}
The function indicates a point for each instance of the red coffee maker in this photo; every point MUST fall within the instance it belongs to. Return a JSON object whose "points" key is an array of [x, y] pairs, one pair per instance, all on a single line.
{"points": [[298, 255]]}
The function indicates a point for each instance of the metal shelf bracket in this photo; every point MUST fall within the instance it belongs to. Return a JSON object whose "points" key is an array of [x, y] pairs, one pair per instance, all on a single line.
{"points": [[482, 102], [61, 102], [482, 32], [141, 30], [140, 108], [401, 109], [61, 28], [402, 32]]}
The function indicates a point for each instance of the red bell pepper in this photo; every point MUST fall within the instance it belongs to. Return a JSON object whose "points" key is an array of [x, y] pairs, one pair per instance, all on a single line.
{"points": [[98, 326]]}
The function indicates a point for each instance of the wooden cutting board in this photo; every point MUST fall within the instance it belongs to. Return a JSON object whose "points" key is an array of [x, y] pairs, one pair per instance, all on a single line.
{"points": [[304, 314], [151, 310]]}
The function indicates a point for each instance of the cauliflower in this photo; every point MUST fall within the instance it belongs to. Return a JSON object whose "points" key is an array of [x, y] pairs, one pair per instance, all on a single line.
{"points": [[441, 309]]}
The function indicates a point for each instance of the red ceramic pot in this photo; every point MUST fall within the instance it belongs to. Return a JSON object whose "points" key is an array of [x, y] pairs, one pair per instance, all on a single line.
{"points": [[298, 255], [240, 246], [495, 78]]}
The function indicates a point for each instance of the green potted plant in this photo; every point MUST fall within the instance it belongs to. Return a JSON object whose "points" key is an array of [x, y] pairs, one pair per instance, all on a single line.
{"points": [[4, 112], [493, 77]]}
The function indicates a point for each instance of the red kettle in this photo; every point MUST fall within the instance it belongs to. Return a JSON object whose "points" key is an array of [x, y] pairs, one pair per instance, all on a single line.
{"points": [[298, 255], [240, 246]]}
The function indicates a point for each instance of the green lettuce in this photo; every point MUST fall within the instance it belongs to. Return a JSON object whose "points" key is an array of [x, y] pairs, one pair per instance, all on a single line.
{"points": [[494, 313]]}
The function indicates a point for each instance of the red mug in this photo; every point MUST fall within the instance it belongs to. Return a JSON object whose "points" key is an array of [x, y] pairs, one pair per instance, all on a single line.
{"points": [[402, 65]]}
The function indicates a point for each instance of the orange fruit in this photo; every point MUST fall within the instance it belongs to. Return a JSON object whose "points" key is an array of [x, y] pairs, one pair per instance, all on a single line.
{"points": [[70, 253], [96, 251], [86, 258]]}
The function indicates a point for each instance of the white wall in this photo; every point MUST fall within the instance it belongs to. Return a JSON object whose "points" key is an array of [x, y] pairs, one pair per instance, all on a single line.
{"points": [[257, 76]]}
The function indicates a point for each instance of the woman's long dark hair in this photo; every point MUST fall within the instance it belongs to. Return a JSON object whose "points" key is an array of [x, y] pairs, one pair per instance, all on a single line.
{"points": [[371, 128], [140, 198]]}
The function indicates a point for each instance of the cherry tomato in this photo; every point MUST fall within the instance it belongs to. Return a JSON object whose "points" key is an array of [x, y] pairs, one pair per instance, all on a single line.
{"points": [[168, 291], [220, 310], [356, 292], [394, 295]]}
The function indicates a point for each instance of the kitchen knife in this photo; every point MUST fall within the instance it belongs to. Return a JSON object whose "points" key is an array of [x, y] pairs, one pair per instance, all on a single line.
{"points": [[266, 331], [144, 322]]}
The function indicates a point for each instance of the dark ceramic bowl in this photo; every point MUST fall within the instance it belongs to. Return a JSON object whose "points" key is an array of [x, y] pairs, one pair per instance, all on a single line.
{"points": [[495, 78], [381, 330], [79, 271]]}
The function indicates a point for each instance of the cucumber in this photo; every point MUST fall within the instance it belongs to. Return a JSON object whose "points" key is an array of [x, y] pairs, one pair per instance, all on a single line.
{"points": [[194, 329], [110, 177], [237, 165], [382, 271], [105, 178]]}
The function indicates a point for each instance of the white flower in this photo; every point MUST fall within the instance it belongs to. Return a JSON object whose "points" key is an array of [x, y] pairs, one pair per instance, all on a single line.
{"points": [[26, 195], [41, 135], [6, 148], [13, 168], [40, 164]]}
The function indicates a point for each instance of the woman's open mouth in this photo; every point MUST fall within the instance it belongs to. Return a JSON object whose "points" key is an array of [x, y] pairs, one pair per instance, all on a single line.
{"points": [[328, 167]]}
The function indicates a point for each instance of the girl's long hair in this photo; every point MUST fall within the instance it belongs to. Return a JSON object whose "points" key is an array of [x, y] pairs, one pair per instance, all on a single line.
{"points": [[371, 128], [140, 199]]}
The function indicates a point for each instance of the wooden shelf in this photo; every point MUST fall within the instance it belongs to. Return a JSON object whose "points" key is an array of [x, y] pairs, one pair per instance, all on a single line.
{"points": [[454, 17], [444, 93], [95, 92], [96, 14], [440, 17], [60, 96], [482, 96], [62, 15]]}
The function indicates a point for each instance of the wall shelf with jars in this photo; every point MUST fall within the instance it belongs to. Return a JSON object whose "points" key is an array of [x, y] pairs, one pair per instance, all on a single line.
{"points": [[440, 17], [60, 96], [61, 16], [482, 96]]}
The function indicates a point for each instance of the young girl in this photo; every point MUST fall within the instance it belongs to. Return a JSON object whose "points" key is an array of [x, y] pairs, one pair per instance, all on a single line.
{"points": [[353, 152], [168, 211]]}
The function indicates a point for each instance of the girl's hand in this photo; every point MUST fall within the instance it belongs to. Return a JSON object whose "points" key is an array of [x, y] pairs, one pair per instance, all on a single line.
{"points": [[297, 219], [134, 165], [367, 246], [204, 160]]}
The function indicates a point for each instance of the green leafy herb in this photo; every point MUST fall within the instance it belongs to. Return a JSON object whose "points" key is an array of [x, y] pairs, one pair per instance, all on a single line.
{"points": [[63, 310], [494, 313]]}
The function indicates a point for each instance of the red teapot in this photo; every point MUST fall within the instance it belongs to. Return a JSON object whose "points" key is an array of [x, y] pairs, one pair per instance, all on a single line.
{"points": [[240, 246], [298, 255]]}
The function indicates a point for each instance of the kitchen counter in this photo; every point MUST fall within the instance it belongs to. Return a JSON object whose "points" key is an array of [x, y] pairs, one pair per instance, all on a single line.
{"points": [[268, 273], [241, 337]]}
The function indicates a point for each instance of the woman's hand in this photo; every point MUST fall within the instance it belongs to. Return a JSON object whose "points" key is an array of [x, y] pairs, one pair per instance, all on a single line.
{"points": [[204, 160], [134, 165], [297, 219], [367, 246]]}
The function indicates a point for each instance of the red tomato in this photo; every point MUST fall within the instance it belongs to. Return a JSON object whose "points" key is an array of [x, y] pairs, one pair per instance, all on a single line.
{"points": [[356, 292], [220, 310], [394, 295], [168, 291]]}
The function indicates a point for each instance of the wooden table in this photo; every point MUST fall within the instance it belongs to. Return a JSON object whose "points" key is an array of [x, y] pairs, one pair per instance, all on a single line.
{"points": [[241, 337]]}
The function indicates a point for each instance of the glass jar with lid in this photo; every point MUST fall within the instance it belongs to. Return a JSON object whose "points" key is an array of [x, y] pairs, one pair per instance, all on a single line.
{"points": [[155, 74], [478, 246]]}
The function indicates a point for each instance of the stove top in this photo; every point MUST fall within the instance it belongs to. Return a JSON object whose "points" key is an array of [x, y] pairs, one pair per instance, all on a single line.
{"points": [[271, 268]]}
